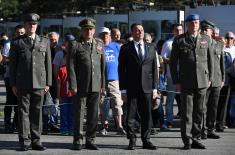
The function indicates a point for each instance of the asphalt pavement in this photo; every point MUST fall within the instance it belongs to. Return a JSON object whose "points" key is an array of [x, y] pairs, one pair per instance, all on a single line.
{"points": [[168, 142]]}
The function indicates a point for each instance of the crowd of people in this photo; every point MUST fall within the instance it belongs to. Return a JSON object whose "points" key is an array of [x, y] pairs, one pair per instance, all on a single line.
{"points": [[134, 76]]}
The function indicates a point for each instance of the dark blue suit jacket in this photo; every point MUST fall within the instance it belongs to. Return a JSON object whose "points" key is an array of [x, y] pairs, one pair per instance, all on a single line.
{"points": [[137, 76]]}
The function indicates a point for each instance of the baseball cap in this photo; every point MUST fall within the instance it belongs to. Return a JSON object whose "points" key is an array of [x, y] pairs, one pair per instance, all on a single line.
{"points": [[104, 30]]}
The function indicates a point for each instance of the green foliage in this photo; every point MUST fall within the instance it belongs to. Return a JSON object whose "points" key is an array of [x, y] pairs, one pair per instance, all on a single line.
{"points": [[9, 7], [16, 8]]}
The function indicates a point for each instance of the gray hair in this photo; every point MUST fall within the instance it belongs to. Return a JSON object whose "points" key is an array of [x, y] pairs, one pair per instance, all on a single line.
{"points": [[147, 34], [54, 33], [216, 30]]}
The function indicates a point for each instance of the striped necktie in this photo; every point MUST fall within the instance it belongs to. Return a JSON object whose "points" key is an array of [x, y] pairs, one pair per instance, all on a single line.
{"points": [[140, 52]]}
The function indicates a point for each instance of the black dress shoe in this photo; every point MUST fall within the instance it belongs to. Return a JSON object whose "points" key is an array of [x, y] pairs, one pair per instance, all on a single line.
{"points": [[220, 129], [91, 146], [197, 145], [212, 135], [132, 145], [38, 147], [203, 135], [24, 148], [77, 146], [149, 146], [187, 147]]}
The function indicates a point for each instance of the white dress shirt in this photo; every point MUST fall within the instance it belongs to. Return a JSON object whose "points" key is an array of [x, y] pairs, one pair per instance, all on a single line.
{"points": [[136, 44]]}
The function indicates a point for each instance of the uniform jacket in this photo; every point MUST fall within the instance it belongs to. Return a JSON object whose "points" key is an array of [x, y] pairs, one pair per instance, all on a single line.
{"points": [[86, 66], [137, 76], [30, 64], [218, 59], [191, 64]]}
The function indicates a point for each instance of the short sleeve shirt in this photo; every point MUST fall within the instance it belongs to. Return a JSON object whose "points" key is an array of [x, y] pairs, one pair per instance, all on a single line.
{"points": [[59, 59]]}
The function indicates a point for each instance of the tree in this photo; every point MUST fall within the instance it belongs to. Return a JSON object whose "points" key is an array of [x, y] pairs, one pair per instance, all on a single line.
{"points": [[45, 8], [9, 7]]}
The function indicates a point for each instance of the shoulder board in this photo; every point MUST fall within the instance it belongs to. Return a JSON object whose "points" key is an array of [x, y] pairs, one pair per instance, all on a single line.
{"points": [[98, 40], [74, 43], [220, 43], [205, 36]]}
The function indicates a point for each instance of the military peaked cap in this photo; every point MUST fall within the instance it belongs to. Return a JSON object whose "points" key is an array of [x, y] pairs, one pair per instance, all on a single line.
{"points": [[87, 23], [31, 18], [205, 24]]}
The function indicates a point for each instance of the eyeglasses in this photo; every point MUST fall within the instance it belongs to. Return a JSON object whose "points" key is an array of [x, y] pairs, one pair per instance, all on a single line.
{"points": [[229, 38]]}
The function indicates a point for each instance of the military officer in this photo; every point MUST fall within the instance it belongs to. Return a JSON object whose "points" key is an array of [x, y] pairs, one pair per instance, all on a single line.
{"points": [[86, 65], [213, 92], [191, 69], [30, 78]]}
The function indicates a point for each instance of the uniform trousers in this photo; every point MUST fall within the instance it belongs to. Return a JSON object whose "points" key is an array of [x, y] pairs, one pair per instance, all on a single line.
{"points": [[210, 108], [141, 103], [82, 101], [192, 110], [30, 115]]}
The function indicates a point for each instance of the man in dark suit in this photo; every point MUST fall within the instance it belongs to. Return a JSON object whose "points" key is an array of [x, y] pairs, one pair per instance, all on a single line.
{"points": [[30, 78], [192, 70], [213, 92], [138, 81], [86, 68]]}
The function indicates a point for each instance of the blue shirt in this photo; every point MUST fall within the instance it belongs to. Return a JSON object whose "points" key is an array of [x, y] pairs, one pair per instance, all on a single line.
{"points": [[111, 54]]}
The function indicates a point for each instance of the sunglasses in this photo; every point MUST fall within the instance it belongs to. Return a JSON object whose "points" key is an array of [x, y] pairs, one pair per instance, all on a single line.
{"points": [[229, 38], [20, 32]]}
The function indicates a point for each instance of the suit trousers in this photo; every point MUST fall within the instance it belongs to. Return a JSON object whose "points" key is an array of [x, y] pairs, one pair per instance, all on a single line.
{"points": [[192, 110], [30, 115], [141, 103], [222, 106], [82, 101], [210, 108]]}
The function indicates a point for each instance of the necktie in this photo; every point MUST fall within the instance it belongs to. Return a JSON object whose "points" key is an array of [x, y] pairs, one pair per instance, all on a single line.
{"points": [[140, 52], [90, 46], [31, 40]]}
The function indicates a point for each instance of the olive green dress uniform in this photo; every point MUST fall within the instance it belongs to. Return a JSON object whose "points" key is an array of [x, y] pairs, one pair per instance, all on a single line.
{"points": [[86, 65], [219, 70], [213, 92], [191, 66], [30, 72]]}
